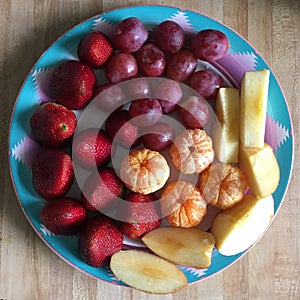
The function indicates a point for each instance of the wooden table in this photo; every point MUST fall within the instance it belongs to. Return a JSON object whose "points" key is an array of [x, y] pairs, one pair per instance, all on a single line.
{"points": [[29, 270]]}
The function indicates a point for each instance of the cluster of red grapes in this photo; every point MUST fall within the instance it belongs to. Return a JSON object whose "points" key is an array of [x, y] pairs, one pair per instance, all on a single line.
{"points": [[165, 53]]}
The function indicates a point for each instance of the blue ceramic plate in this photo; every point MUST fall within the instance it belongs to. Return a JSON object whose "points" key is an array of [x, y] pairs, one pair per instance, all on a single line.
{"points": [[241, 57]]}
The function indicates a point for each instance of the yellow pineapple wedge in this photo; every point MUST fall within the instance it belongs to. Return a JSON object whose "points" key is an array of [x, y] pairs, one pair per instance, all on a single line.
{"points": [[239, 227], [261, 169], [190, 247], [226, 132], [147, 272], [254, 98]]}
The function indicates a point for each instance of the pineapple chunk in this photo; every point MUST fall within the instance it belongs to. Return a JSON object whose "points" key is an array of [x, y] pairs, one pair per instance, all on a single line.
{"points": [[254, 98], [226, 133], [147, 272], [239, 227], [261, 169]]}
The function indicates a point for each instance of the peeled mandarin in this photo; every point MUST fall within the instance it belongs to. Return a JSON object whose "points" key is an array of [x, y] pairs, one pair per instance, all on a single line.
{"points": [[183, 204], [192, 151], [223, 185], [144, 171]]}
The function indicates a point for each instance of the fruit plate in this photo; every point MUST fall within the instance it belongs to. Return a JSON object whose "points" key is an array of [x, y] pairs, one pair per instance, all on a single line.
{"points": [[241, 57]]}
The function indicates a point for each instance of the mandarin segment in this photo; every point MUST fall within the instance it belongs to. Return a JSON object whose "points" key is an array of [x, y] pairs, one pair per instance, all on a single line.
{"points": [[144, 171], [223, 185], [192, 151], [182, 204]]}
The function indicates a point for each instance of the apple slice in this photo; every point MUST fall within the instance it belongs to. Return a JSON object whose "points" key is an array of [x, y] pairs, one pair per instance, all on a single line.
{"points": [[261, 169], [147, 272], [254, 98], [237, 228], [226, 132], [184, 246]]}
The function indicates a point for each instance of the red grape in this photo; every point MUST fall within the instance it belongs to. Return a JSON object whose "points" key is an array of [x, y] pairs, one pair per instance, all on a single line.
{"points": [[206, 83], [139, 87], [119, 128], [169, 37], [210, 45], [159, 136], [181, 65], [194, 112], [169, 93], [100, 88], [151, 60], [121, 66], [130, 35], [145, 112], [108, 96]]}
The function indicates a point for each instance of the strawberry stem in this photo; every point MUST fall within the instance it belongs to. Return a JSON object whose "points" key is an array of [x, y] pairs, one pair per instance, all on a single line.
{"points": [[64, 127]]}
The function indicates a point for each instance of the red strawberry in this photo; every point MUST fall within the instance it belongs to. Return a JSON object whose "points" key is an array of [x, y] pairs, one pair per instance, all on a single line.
{"points": [[108, 96], [98, 240], [95, 49], [72, 84], [119, 127], [91, 148], [141, 213], [63, 216], [101, 190], [52, 173], [53, 125]]}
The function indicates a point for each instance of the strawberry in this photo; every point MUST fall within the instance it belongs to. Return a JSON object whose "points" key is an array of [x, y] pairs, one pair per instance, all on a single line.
{"points": [[98, 240], [53, 125], [141, 215], [101, 189], [91, 148], [119, 127], [72, 84], [52, 173], [63, 216], [95, 49]]}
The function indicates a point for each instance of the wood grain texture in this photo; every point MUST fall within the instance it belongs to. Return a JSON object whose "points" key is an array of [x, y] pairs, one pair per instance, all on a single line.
{"points": [[29, 270]]}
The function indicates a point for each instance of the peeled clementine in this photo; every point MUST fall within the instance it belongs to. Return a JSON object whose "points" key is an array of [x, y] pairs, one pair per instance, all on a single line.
{"points": [[192, 151], [144, 171], [183, 204]]}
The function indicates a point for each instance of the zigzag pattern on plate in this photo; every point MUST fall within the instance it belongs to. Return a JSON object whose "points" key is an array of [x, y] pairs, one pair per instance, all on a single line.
{"points": [[111, 275], [238, 63], [276, 134], [45, 231], [182, 19], [195, 272], [41, 78], [25, 150], [104, 26]]}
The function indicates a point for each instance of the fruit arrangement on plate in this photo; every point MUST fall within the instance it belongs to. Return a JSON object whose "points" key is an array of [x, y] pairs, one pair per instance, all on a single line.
{"points": [[149, 154]]}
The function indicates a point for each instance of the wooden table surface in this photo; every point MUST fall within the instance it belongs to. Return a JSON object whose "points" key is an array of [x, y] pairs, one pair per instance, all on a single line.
{"points": [[29, 270]]}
